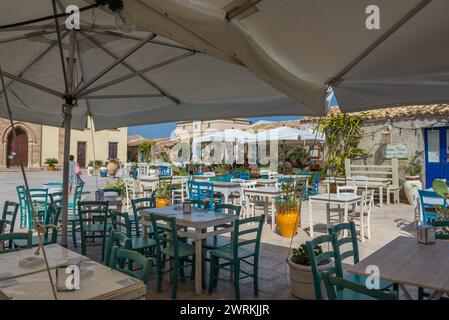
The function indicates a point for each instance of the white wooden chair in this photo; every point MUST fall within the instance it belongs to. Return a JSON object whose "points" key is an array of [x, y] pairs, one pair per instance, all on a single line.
{"points": [[360, 180], [254, 201], [364, 214], [179, 195], [133, 191], [347, 190]]}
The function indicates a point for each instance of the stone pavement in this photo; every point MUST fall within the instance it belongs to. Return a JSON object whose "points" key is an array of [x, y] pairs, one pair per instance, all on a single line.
{"points": [[387, 223]]}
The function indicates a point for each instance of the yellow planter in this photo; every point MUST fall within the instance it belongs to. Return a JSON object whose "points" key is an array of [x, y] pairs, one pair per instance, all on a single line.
{"points": [[162, 203], [288, 222]]}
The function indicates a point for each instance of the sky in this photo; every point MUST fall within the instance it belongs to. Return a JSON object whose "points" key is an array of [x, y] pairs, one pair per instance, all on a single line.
{"points": [[164, 129]]}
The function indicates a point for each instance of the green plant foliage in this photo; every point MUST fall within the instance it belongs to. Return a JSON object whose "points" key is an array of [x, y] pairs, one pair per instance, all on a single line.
{"points": [[298, 156], [116, 184], [288, 198], [146, 147], [301, 255], [51, 161], [178, 171], [164, 190], [220, 169], [343, 134], [414, 166], [441, 188]]}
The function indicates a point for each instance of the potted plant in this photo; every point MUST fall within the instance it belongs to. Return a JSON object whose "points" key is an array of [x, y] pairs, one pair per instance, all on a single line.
{"points": [[51, 162], [412, 176], [288, 216], [301, 277], [163, 194], [112, 167], [298, 157], [90, 168]]}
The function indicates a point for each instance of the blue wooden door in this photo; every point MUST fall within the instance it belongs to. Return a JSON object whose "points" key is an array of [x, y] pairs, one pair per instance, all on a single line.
{"points": [[437, 154]]}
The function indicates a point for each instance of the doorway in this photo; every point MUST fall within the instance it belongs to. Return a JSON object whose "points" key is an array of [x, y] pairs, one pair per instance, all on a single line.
{"points": [[437, 154], [14, 147], [81, 154]]}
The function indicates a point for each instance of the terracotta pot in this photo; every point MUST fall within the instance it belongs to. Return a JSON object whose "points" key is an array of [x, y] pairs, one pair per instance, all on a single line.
{"points": [[51, 167], [411, 186], [162, 203], [301, 281], [112, 168], [288, 222]]}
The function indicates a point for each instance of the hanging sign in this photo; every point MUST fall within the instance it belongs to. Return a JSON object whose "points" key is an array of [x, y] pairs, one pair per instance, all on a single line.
{"points": [[395, 150]]}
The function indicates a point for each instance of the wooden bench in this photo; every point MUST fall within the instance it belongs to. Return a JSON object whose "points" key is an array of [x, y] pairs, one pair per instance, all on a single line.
{"points": [[377, 172]]}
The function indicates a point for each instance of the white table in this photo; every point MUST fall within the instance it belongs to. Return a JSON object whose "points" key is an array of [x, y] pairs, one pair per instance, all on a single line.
{"points": [[265, 192], [332, 198], [226, 188], [407, 262], [33, 283], [200, 221], [373, 183]]}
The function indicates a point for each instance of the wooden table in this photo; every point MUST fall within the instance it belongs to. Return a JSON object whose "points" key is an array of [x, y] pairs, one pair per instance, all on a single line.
{"points": [[373, 183], [34, 284], [342, 199], [266, 192], [199, 220], [407, 262]]}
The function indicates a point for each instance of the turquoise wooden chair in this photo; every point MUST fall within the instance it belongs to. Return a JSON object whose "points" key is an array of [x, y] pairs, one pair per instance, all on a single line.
{"points": [[202, 191], [9, 215], [216, 241], [427, 201], [39, 200], [22, 206], [51, 233], [352, 252], [241, 250], [92, 219], [115, 239], [56, 198], [73, 207], [338, 288], [325, 241], [121, 256], [169, 247], [121, 222], [138, 205], [11, 238]]}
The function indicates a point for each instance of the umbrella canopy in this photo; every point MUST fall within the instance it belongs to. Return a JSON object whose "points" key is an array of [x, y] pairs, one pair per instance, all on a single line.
{"points": [[120, 79], [280, 133], [310, 135], [229, 135], [304, 47]]}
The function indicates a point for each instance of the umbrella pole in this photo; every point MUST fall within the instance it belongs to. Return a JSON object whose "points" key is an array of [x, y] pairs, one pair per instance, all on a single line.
{"points": [[67, 110]]}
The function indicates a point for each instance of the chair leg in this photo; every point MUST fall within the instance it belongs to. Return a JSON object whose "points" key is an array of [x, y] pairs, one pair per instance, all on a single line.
{"points": [[256, 276], [236, 265], [159, 272], [175, 278], [74, 234], [212, 273], [83, 244], [181, 269]]}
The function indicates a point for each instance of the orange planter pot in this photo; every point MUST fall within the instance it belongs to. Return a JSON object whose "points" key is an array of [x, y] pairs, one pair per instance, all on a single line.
{"points": [[162, 203], [288, 222]]}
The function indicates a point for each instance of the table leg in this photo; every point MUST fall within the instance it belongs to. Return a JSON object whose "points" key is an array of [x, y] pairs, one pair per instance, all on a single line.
{"points": [[310, 218], [381, 196], [226, 196], [198, 245], [273, 214]]}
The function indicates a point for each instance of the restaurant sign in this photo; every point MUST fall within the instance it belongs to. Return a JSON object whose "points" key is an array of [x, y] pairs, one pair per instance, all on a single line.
{"points": [[395, 150]]}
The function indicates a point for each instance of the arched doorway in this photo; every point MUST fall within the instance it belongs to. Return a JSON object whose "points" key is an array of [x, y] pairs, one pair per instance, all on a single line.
{"points": [[14, 147]]}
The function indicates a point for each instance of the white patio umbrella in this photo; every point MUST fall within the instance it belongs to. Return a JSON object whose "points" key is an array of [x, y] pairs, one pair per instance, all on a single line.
{"points": [[303, 47], [228, 135], [278, 134], [311, 135], [59, 76]]}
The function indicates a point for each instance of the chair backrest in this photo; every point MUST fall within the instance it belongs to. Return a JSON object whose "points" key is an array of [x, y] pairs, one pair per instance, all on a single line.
{"points": [[112, 192], [9, 215], [116, 239], [52, 218], [10, 237], [78, 192], [121, 222], [56, 198], [315, 184], [328, 240], [2, 226], [119, 256], [228, 208], [375, 171], [138, 205], [367, 200], [92, 212], [39, 196], [165, 171], [162, 224], [333, 284], [200, 190], [360, 180], [347, 190], [21, 196], [200, 204], [242, 174], [351, 239], [247, 231], [428, 200]]}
